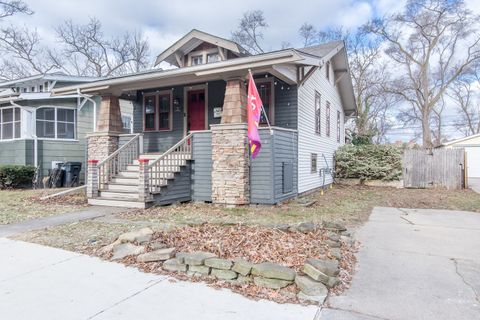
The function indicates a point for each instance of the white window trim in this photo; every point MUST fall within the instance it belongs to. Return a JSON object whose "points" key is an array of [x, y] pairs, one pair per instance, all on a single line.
{"points": [[55, 123], [13, 125], [204, 54]]}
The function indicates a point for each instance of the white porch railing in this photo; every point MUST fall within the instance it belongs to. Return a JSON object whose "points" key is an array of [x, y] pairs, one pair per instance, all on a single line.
{"points": [[119, 160], [168, 163]]}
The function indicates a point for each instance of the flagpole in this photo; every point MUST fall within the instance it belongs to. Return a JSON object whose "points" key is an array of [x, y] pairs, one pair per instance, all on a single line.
{"points": [[264, 113]]}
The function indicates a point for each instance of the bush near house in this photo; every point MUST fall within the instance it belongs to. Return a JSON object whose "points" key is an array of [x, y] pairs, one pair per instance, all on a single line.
{"points": [[369, 162], [14, 176]]}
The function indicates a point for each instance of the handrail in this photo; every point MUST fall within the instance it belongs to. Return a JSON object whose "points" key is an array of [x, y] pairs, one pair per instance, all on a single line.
{"points": [[119, 160], [119, 150], [168, 163]]}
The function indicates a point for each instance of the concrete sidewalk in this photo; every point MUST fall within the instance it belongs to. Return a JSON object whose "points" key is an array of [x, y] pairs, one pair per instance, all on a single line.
{"points": [[414, 264], [43, 283], [92, 212]]}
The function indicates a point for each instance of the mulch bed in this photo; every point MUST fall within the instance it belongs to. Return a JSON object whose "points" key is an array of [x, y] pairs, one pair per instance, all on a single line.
{"points": [[255, 244]]}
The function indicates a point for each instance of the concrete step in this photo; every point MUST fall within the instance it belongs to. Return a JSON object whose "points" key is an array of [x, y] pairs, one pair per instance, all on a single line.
{"points": [[132, 167], [119, 194], [128, 174], [125, 181], [104, 201], [121, 187]]}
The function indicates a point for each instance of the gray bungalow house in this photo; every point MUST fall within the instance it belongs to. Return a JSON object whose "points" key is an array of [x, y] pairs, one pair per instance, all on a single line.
{"points": [[39, 129], [189, 140]]}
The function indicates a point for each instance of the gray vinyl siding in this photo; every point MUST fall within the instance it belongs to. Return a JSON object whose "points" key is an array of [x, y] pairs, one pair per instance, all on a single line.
{"points": [[202, 167], [16, 152], [266, 171], [310, 142], [178, 190], [286, 106]]}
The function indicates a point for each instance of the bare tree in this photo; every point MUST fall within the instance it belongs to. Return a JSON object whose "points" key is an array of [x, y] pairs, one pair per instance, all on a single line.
{"points": [[25, 54], [432, 43], [10, 7], [309, 34], [465, 94], [89, 52], [249, 32]]}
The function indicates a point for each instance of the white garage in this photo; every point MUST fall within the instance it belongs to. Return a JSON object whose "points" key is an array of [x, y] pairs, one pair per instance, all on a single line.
{"points": [[472, 149]]}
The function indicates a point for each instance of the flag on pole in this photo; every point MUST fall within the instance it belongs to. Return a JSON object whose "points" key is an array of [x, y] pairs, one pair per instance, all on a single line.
{"points": [[254, 109]]}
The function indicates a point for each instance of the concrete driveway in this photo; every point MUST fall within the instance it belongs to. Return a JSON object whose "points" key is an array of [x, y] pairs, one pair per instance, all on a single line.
{"points": [[414, 264], [44, 283]]}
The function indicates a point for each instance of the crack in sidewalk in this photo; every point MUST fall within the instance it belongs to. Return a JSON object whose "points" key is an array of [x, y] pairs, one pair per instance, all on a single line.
{"points": [[475, 293], [127, 298], [357, 313]]}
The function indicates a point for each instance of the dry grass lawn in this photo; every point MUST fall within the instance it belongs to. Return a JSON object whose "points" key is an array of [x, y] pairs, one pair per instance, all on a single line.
{"points": [[21, 205]]}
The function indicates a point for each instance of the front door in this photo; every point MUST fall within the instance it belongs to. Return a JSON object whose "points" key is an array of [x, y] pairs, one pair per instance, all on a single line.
{"points": [[196, 110]]}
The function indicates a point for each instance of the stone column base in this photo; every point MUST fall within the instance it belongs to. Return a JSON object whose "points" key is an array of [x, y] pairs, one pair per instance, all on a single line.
{"points": [[101, 144], [231, 165]]}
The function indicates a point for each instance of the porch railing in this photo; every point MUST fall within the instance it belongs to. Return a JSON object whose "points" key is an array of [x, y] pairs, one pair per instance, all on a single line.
{"points": [[119, 160], [160, 169]]}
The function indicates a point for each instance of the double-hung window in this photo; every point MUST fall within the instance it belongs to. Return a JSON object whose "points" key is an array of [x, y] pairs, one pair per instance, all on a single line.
{"points": [[10, 120], [158, 112], [318, 118], [327, 118], [55, 123], [265, 91], [338, 126]]}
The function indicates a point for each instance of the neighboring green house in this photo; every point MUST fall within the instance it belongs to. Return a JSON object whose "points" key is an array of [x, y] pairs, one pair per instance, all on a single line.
{"points": [[39, 129]]}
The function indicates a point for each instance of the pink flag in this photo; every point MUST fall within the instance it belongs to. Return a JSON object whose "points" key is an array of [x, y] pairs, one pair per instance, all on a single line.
{"points": [[254, 108]]}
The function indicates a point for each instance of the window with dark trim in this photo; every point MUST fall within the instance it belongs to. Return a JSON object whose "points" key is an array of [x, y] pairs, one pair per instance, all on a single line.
{"points": [[150, 109], [157, 112], [265, 92], [318, 118], [327, 70], [327, 119], [338, 126], [313, 163]]}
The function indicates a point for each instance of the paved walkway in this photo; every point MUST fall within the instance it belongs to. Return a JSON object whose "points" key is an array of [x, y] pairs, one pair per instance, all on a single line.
{"points": [[44, 283], [414, 264], [91, 212]]}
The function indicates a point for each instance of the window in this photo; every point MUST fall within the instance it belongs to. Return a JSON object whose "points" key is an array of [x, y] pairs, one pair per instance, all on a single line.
{"points": [[40, 88], [327, 119], [265, 92], [196, 60], [338, 126], [55, 123], [10, 121], [158, 112], [127, 123], [213, 57], [32, 89], [24, 89], [327, 70], [318, 118], [313, 163], [164, 112], [150, 107]]}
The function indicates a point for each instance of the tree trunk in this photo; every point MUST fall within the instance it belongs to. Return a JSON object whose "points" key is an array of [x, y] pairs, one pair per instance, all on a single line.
{"points": [[427, 135]]}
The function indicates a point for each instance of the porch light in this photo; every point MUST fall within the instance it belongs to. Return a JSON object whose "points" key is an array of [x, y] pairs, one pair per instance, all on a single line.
{"points": [[176, 103]]}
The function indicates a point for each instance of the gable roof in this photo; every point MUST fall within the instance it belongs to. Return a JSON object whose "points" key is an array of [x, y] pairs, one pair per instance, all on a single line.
{"points": [[192, 40], [321, 50], [56, 76], [462, 140]]}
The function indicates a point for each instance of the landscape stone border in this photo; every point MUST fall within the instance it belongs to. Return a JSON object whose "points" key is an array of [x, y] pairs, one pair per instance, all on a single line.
{"points": [[313, 282]]}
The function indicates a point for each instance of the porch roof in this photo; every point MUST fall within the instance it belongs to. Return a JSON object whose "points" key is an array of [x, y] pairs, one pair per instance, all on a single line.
{"points": [[281, 64]]}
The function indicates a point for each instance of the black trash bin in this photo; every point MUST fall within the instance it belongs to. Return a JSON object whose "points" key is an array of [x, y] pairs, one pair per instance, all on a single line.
{"points": [[71, 178]]}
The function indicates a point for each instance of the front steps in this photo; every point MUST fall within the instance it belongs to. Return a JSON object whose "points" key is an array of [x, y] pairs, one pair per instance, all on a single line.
{"points": [[123, 189]]}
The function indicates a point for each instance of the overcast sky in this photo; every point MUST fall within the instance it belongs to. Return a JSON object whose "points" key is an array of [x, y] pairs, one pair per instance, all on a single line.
{"points": [[164, 22]]}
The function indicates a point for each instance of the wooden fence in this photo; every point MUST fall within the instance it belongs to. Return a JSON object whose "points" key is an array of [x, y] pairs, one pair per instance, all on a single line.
{"points": [[437, 168]]}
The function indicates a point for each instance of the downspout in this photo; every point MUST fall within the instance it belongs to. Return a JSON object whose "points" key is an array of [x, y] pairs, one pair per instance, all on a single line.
{"points": [[34, 135]]}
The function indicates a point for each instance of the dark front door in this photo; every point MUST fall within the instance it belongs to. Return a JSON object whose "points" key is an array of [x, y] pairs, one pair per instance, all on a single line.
{"points": [[196, 110]]}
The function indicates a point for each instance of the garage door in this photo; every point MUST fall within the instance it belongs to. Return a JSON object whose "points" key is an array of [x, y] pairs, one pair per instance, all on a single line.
{"points": [[473, 161]]}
